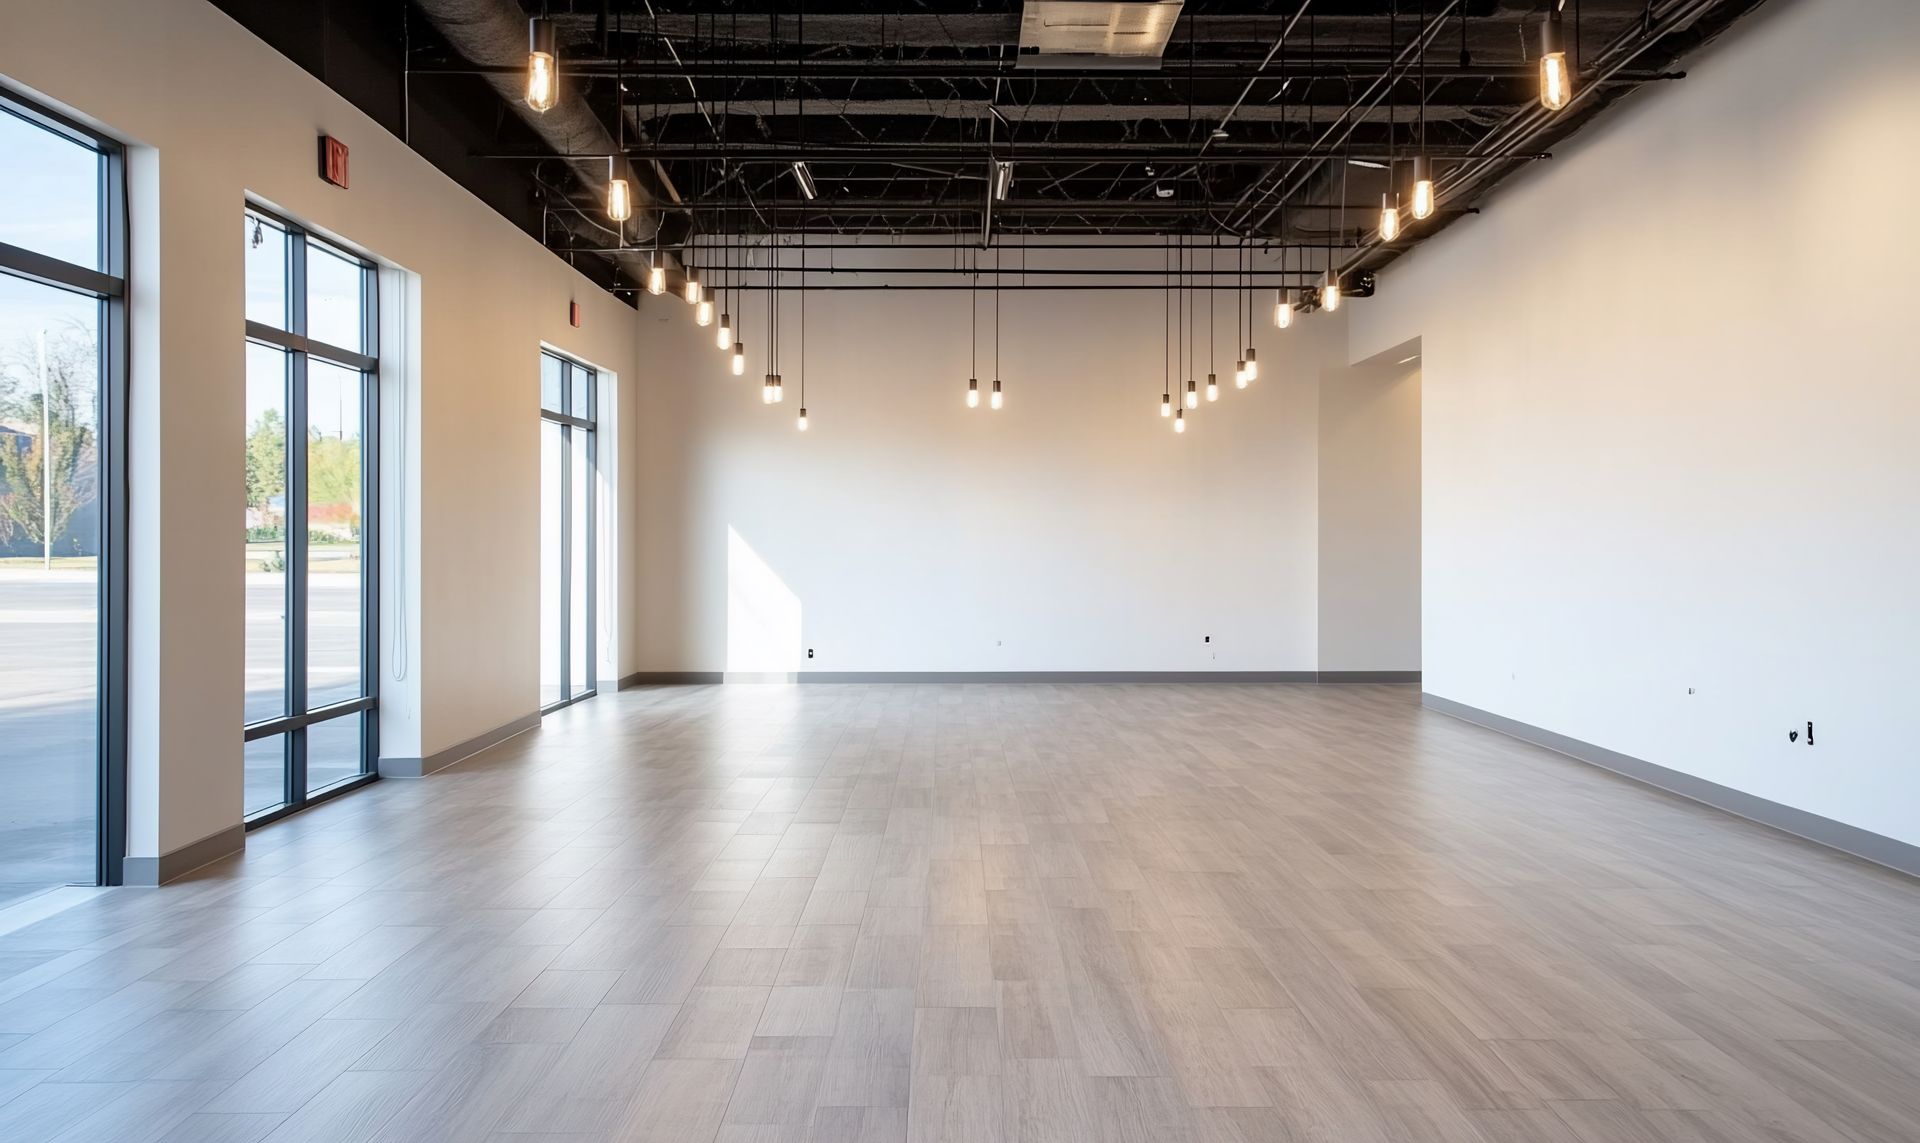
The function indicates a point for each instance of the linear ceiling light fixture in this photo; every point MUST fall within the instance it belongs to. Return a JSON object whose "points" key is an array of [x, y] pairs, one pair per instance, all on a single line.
{"points": [[803, 178]]}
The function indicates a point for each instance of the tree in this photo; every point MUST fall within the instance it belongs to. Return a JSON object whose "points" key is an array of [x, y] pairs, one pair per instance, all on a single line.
{"points": [[267, 466], [59, 419]]}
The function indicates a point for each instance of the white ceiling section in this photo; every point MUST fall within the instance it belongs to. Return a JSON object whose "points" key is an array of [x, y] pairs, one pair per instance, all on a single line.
{"points": [[1090, 33]]}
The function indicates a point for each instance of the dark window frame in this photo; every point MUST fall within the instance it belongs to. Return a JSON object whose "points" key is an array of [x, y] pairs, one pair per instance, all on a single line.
{"points": [[571, 421], [296, 718], [109, 287]]}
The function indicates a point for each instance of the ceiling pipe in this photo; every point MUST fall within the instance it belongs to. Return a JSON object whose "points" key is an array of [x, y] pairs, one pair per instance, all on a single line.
{"points": [[493, 33], [1534, 123]]}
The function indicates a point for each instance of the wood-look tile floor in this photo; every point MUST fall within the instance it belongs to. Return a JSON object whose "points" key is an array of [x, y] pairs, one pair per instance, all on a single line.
{"points": [[985, 914]]}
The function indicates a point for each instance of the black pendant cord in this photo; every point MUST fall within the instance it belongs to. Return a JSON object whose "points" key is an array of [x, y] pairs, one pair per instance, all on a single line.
{"points": [[1166, 311], [973, 311], [1213, 324], [996, 315]]}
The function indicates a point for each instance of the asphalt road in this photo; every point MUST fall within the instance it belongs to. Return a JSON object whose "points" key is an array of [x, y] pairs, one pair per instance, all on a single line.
{"points": [[47, 667]]}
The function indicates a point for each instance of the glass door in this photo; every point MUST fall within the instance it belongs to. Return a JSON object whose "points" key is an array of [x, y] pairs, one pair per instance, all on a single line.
{"points": [[568, 391], [310, 589]]}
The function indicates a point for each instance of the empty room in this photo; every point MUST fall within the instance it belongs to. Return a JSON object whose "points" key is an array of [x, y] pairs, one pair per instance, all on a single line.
{"points": [[1021, 571]]}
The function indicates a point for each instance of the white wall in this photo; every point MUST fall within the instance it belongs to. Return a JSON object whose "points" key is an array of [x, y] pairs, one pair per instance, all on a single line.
{"points": [[1672, 494], [1071, 530], [1369, 539], [213, 116]]}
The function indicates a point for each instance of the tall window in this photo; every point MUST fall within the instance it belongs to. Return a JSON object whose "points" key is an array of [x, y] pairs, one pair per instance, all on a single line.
{"points": [[568, 392], [311, 618], [62, 504]]}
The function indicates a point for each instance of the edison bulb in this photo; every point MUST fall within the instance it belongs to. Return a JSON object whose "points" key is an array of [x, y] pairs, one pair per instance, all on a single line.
{"points": [[619, 200], [692, 290], [1166, 404], [766, 390], [1556, 86], [543, 81], [739, 360], [973, 392], [703, 313], [1180, 421], [1282, 312], [1213, 387], [779, 390], [803, 418], [1240, 375], [1253, 366], [724, 338], [1423, 198], [993, 401], [1389, 220], [1193, 395], [657, 280], [1330, 294]]}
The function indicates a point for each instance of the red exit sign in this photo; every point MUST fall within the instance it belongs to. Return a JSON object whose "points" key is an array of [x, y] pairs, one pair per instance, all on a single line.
{"points": [[333, 161]]}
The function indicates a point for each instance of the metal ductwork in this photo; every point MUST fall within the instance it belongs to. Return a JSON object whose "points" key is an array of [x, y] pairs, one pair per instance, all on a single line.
{"points": [[493, 34]]}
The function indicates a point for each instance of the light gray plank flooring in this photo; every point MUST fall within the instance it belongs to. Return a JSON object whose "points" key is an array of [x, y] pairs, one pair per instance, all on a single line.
{"points": [[985, 914]]}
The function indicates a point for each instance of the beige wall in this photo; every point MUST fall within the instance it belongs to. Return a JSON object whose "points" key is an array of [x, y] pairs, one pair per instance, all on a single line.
{"points": [[214, 116], [1370, 514], [1672, 495]]}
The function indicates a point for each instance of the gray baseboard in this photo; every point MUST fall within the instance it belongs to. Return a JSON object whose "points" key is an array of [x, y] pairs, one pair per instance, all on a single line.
{"points": [[421, 767], [1394, 678], [151, 871], [1881, 850], [667, 679], [672, 678]]}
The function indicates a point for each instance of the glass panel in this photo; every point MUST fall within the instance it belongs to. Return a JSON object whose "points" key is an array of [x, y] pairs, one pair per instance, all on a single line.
{"points": [[552, 508], [333, 299], [580, 678], [579, 405], [265, 760], [266, 576], [49, 577], [550, 393], [333, 534], [266, 247], [333, 752], [49, 193]]}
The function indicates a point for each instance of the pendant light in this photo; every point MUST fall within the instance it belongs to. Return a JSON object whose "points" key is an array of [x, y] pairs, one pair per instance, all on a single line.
{"points": [[1556, 82], [543, 65], [973, 341], [802, 423], [1253, 359], [1422, 188], [1193, 393], [994, 399], [1213, 321], [703, 313], [1282, 309], [1330, 289], [1422, 169], [619, 196], [656, 277], [1180, 420], [1166, 338], [692, 291], [739, 359], [723, 338], [1390, 199], [1240, 363]]}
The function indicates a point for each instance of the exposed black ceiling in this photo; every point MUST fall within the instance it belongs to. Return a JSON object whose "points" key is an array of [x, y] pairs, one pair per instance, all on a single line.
{"points": [[899, 109]]}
